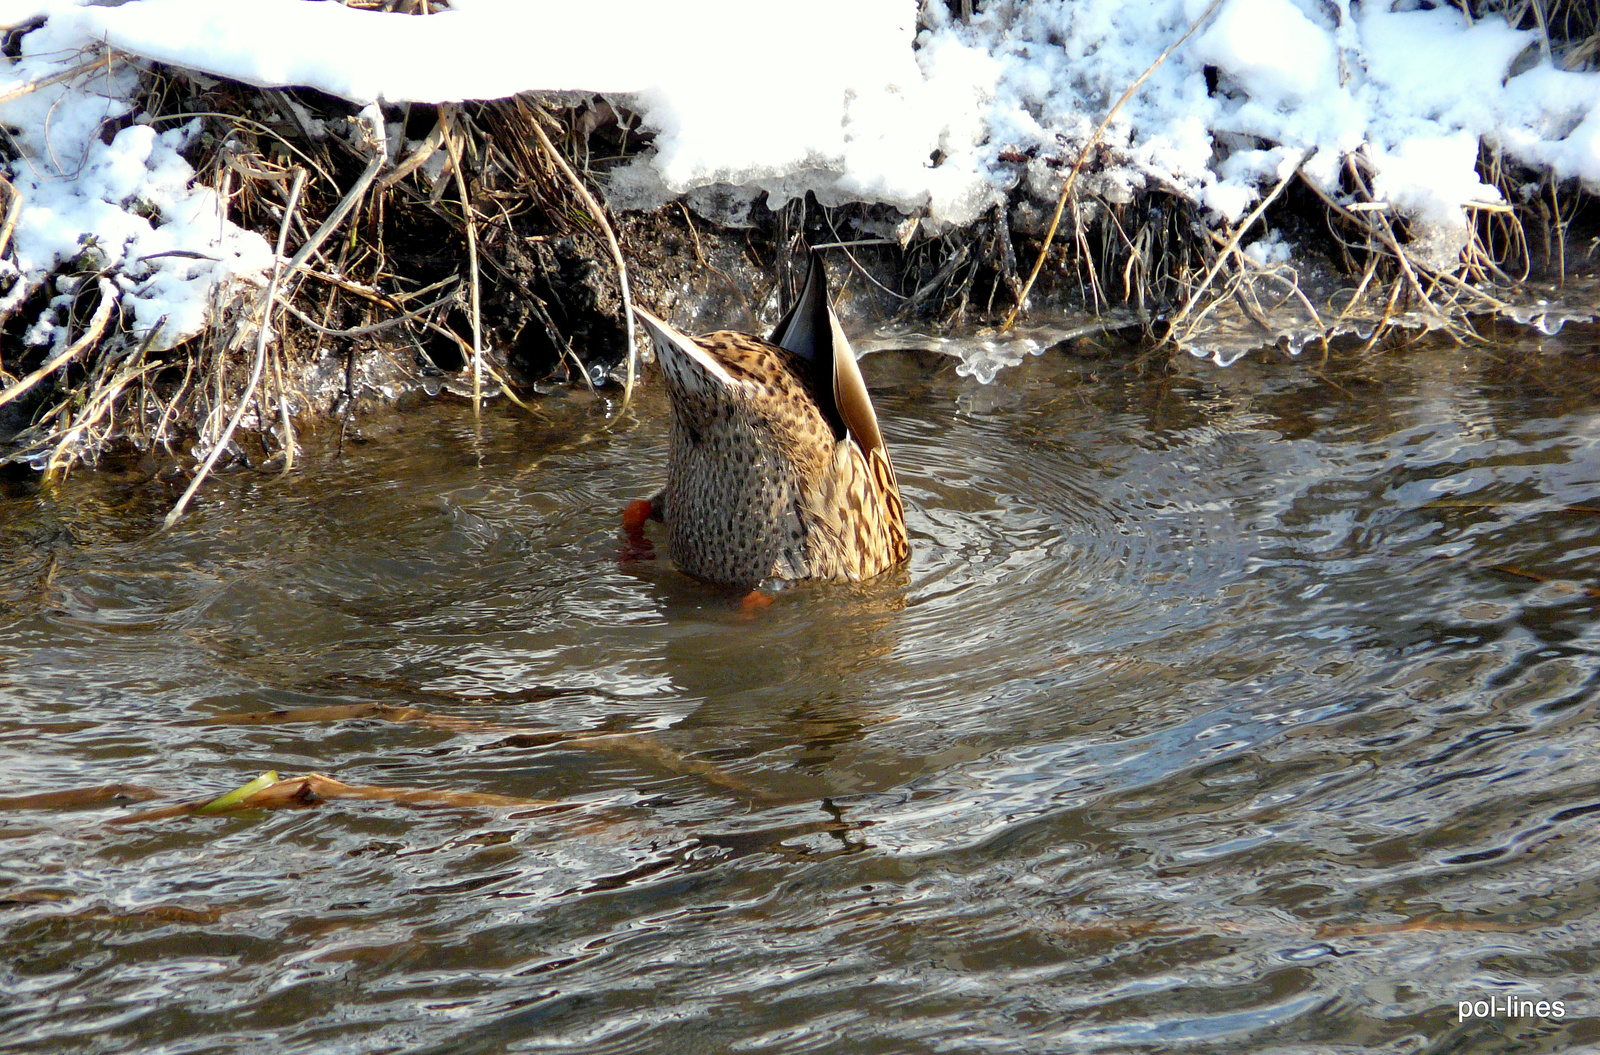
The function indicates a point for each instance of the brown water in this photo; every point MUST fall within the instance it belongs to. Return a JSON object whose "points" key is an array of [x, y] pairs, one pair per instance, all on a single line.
{"points": [[1230, 710]]}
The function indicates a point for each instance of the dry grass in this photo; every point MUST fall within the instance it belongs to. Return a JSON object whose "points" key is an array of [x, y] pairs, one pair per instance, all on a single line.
{"points": [[1388, 283], [388, 265]]}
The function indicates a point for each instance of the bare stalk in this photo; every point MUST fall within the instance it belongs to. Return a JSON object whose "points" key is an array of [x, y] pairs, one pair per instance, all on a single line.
{"points": [[374, 119], [611, 240], [65, 75], [13, 213], [263, 330], [1066, 188], [378, 327], [102, 404], [417, 158], [97, 326], [1233, 243], [284, 419], [453, 144]]}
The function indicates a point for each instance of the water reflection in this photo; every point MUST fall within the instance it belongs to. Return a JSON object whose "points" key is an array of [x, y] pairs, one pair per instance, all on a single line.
{"points": [[1217, 710]]}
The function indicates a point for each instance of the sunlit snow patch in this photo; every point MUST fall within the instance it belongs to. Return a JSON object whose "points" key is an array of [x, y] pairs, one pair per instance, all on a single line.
{"points": [[129, 207]]}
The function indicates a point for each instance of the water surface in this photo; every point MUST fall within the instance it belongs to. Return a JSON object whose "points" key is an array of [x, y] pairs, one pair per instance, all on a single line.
{"points": [[1243, 710]]}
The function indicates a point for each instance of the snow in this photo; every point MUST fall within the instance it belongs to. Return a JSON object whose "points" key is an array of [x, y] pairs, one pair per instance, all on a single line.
{"points": [[846, 99], [478, 50], [1272, 50], [1553, 121], [1269, 249], [1432, 179], [130, 206]]}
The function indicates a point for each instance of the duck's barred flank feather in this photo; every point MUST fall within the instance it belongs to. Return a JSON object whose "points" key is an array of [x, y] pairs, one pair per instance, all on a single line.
{"points": [[759, 483]]}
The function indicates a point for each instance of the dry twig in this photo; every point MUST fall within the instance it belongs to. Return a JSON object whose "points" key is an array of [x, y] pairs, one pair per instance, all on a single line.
{"points": [[97, 327], [263, 329], [1233, 243], [1066, 188], [611, 240], [453, 144]]}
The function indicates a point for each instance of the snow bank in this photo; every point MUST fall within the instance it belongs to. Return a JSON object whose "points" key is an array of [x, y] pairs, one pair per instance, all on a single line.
{"points": [[844, 98], [762, 97], [476, 50], [1417, 89], [837, 97], [130, 206]]}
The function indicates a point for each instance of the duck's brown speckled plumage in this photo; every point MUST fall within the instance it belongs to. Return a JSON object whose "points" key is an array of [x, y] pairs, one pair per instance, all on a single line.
{"points": [[773, 473]]}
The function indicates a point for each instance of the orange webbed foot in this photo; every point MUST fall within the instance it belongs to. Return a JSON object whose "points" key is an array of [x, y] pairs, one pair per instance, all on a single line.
{"points": [[753, 602], [635, 546], [635, 515]]}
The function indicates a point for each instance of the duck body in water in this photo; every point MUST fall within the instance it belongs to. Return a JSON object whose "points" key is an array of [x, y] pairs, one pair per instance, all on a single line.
{"points": [[777, 468]]}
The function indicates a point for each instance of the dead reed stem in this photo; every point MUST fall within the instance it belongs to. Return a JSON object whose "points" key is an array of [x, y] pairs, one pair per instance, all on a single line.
{"points": [[13, 207], [255, 126], [100, 402], [417, 157], [97, 326], [263, 329], [373, 117], [452, 143], [377, 327], [102, 405], [1066, 188], [285, 420], [611, 240], [1233, 244], [65, 75]]}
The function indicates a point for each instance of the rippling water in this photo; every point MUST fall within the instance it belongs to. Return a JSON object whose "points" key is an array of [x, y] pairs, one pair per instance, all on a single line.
{"points": [[1219, 710]]}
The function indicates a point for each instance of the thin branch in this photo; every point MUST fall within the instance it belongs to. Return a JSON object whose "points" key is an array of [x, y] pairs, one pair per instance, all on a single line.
{"points": [[97, 326], [848, 255], [374, 118], [1233, 243], [266, 130], [377, 327], [263, 329], [417, 158], [13, 213], [453, 144], [611, 240], [1066, 189], [65, 75]]}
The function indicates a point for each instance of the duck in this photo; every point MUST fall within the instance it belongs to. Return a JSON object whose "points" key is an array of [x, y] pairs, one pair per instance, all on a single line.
{"points": [[776, 468]]}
